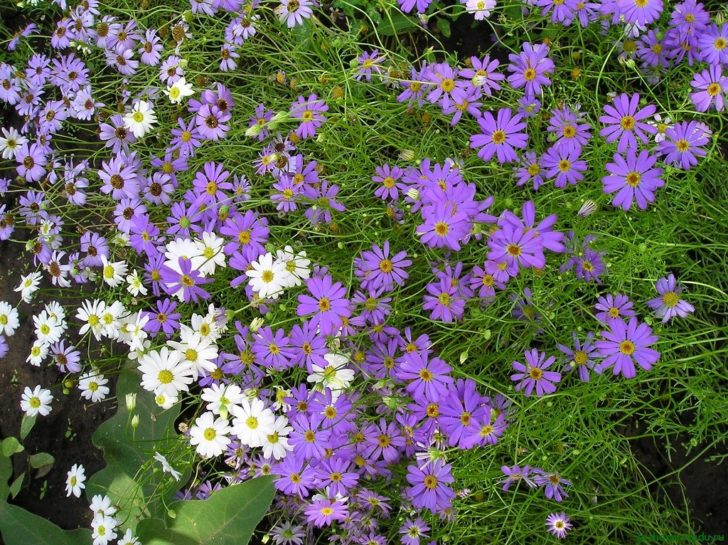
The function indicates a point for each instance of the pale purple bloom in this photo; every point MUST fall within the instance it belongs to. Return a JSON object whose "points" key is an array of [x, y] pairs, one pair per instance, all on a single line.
{"points": [[626, 344], [624, 120], [534, 374], [668, 304]]}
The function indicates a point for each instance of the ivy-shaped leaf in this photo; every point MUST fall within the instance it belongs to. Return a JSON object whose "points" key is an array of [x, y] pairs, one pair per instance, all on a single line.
{"points": [[228, 517], [21, 527], [127, 449]]}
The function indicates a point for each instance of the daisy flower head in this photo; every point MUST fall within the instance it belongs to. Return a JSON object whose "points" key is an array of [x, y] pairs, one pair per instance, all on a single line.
{"points": [[612, 307], [336, 375], [210, 435], [252, 422], [430, 485], [625, 344], [530, 68], [93, 386], [140, 119], [326, 303], [36, 401], [711, 87], [558, 524], [9, 321], [633, 178], [293, 12], [310, 112], [625, 121], [684, 143], [499, 136], [29, 284], [534, 374], [412, 530], [668, 304], [179, 90], [268, 276], [640, 12], [103, 529], [113, 272], [10, 142], [297, 264], [582, 356], [377, 270], [75, 480], [164, 371], [480, 9]]}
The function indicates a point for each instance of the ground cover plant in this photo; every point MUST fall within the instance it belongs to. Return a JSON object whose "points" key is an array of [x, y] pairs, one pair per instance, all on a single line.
{"points": [[331, 280]]}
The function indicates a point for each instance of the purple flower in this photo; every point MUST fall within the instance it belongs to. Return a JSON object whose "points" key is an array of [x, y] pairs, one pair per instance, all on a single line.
{"points": [[211, 122], [428, 378], [516, 475], [633, 179], [429, 486], [563, 164], [444, 301], [368, 62], [31, 160], [444, 79], [407, 5], [295, 476], [529, 170], [582, 356], [183, 281], [378, 272], [325, 511], [553, 484], [684, 143], [530, 68], [713, 44], [642, 13], [311, 114], [327, 304], [293, 12], [668, 304], [500, 136], [516, 246], [534, 375], [711, 86], [388, 177], [623, 120], [626, 344], [324, 201], [412, 530], [461, 413], [558, 524], [482, 74], [570, 133], [445, 226], [613, 307]]}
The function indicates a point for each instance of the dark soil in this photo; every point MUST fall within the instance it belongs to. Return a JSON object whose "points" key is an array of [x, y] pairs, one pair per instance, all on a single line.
{"points": [[65, 432]]}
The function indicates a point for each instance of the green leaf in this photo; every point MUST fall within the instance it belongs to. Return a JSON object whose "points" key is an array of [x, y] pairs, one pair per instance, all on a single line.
{"points": [[26, 424], [6, 471], [17, 483], [396, 24], [21, 527], [11, 446], [228, 517], [443, 25], [41, 459], [126, 450]]}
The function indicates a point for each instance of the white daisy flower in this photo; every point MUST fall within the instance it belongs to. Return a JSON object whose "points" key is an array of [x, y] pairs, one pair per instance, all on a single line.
{"points": [[103, 529], [10, 142], [210, 435], [47, 329], [335, 376], [179, 90], [209, 254], [113, 272], [38, 353], [181, 247], [198, 351], [75, 480], [297, 265], [111, 319], [8, 319], [164, 401], [29, 284], [90, 313], [480, 9], [128, 539], [164, 372], [135, 285], [220, 397], [141, 118], [252, 422], [268, 277], [101, 506], [93, 386], [36, 401], [275, 444], [166, 466]]}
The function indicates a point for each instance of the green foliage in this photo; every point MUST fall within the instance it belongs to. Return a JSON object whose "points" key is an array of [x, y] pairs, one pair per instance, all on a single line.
{"points": [[128, 476], [228, 517]]}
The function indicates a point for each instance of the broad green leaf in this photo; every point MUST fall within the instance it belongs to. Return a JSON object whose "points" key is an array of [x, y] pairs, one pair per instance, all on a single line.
{"points": [[26, 424], [21, 527], [10, 446], [443, 25], [228, 517], [40, 459], [127, 449], [6, 471]]}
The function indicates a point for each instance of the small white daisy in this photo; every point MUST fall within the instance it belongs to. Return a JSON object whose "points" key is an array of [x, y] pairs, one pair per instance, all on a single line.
{"points": [[141, 118], [75, 480], [210, 435], [36, 401]]}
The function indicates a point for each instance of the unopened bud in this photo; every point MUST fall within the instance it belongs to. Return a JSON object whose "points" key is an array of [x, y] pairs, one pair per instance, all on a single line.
{"points": [[256, 324], [135, 421], [130, 400]]}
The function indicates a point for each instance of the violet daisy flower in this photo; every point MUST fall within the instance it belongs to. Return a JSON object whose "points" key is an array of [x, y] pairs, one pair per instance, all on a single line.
{"points": [[668, 304], [517, 246], [412, 530], [311, 114], [534, 375], [293, 12], [530, 68], [445, 226], [553, 484], [515, 475], [558, 524], [211, 122], [613, 307], [184, 282], [642, 12], [626, 344], [323, 512], [482, 74], [368, 62], [444, 301], [388, 177], [529, 170], [444, 79], [500, 136], [582, 356], [564, 165], [429, 486], [428, 378], [377, 271], [632, 178], [31, 159], [326, 303], [570, 133], [623, 121], [684, 143], [713, 44], [711, 86]]}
